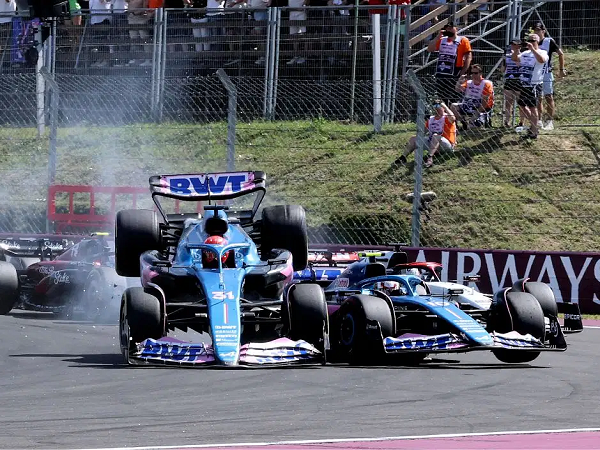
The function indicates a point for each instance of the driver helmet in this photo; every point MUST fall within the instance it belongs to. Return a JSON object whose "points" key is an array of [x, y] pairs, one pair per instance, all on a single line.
{"points": [[387, 287], [413, 271], [209, 256]]}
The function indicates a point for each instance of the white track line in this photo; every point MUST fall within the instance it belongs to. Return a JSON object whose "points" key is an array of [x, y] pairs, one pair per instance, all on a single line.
{"points": [[333, 441]]}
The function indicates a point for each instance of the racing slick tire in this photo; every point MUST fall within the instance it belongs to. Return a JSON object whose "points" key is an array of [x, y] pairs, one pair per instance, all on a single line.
{"points": [[284, 226], [542, 293], [141, 318], [304, 314], [9, 287], [521, 312], [353, 339], [136, 231]]}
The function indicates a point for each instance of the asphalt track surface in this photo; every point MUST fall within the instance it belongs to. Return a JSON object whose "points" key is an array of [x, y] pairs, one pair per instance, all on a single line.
{"points": [[64, 386]]}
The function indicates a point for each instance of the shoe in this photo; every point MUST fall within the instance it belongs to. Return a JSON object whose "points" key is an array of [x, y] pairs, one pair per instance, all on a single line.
{"points": [[100, 63], [429, 162], [521, 129], [400, 161], [540, 124], [292, 61], [548, 126], [260, 61], [300, 61], [146, 63]]}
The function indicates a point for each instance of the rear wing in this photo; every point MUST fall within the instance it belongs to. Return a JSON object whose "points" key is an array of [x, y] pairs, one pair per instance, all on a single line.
{"points": [[208, 187], [318, 257], [33, 246]]}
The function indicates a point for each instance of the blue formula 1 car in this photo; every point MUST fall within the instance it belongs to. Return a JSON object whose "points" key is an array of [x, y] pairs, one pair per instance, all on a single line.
{"points": [[218, 271], [374, 313]]}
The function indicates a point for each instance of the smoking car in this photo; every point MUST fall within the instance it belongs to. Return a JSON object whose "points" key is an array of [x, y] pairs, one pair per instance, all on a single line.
{"points": [[218, 270], [60, 275]]}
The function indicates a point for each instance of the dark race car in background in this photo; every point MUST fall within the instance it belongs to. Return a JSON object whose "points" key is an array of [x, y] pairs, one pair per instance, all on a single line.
{"points": [[58, 275]]}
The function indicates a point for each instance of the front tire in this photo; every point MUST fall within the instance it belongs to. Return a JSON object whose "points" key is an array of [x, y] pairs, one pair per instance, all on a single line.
{"points": [[9, 287], [305, 315], [354, 340], [141, 318], [520, 312]]}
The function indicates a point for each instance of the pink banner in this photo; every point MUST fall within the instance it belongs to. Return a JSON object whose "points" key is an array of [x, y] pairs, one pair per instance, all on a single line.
{"points": [[574, 277]]}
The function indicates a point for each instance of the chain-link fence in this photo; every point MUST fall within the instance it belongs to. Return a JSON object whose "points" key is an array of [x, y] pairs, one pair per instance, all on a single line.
{"points": [[128, 109]]}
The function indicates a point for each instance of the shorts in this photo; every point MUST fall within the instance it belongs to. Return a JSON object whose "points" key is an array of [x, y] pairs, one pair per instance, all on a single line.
{"points": [[548, 84], [445, 144], [260, 15], [529, 95], [466, 109], [512, 85]]}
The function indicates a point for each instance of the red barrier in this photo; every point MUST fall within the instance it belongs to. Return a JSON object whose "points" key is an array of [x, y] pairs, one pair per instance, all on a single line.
{"points": [[100, 221]]}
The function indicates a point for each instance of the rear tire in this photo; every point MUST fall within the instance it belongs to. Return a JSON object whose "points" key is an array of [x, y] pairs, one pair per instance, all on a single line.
{"points": [[9, 287], [141, 317], [543, 294], [136, 231], [352, 338], [284, 226], [305, 315], [520, 312]]}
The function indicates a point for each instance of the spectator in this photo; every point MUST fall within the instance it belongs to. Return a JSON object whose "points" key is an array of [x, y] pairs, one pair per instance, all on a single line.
{"points": [[100, 21], [138, 18], [531, 72], [297, 31], [454, 60], [198, 18], [260, 16], [7, 10], [442, 134], [233, 11], [512, 83], [550, 46], [175, 20], [478, 98], [214, 13]]}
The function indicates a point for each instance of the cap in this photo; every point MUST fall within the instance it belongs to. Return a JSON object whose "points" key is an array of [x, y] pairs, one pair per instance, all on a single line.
{"points": [[539, 26], [516, 41]]}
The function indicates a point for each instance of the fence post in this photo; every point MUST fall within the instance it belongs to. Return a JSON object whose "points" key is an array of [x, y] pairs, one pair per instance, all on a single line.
{"points": [[40, 87], [54, 94], [376, 42], [231, 117], [354, 58], [157, 56], [417, 87]]}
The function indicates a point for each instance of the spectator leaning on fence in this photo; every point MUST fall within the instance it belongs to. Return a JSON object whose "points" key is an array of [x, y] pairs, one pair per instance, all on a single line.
{"points": [[139, 34], [442, 134], [550, 46], [512, 82], [454, 60], [531, 64], [100, 21], [297, 31], [478, 98]]}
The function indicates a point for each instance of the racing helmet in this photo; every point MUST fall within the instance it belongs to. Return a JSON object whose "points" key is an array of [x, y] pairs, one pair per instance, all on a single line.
{"points": [[388, 287], [209, 256]]}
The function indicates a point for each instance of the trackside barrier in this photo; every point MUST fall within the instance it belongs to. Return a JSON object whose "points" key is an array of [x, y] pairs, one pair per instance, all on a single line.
{"points": [[85, 213]]}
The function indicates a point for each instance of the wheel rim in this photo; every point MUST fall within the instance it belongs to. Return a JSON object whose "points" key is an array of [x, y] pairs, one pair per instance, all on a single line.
{"points": [[347, 330], [93, 301], [124, 332]]}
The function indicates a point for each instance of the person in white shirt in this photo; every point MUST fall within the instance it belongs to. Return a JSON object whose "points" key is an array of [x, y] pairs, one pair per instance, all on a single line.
{"points": [[531, 65]]}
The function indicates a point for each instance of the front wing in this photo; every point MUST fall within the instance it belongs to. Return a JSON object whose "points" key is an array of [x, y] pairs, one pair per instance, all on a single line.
{"points": [[170, 351], [451, 342]]}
